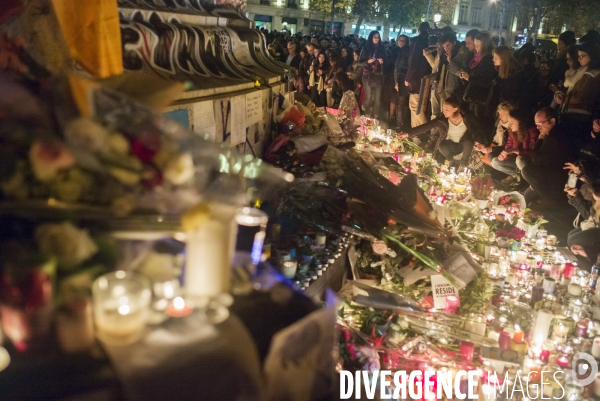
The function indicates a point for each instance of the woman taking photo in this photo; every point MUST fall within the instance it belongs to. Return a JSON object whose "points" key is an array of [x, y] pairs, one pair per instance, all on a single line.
{"points": [[521, 140], [480, 77], [457, 132], [372, 58]]}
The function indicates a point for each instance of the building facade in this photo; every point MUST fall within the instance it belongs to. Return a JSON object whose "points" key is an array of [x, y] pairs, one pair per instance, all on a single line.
{"points": [[296, 16], [293, 16]]}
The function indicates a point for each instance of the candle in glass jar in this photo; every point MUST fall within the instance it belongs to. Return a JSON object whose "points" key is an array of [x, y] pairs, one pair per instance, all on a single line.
{"points": [[596, 348], [179, 307], [569, 270], [121, 307], [549, 285], [504, 341], [543, 320], [476, 324], [518, 334], [211, 232], [581, 329], [563, 361], [494, 335], [544, 355], [451, 304], [467, 349], [551, 240], [575, 290], [521, 257]]}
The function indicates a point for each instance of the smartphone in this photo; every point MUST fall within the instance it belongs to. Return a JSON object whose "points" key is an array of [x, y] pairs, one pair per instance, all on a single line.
{"points": [[572, 183]]}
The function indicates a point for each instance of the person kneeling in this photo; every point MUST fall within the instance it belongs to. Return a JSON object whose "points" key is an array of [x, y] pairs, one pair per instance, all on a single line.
{"points": [[521, 141], [456, 132]]}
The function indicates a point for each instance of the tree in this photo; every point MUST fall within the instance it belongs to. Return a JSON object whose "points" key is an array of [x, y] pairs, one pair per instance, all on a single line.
{"points": [[341, 8]]}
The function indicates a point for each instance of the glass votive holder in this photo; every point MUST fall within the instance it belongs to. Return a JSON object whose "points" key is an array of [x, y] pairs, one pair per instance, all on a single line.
{"points": [[121, 307], [252, 229]]}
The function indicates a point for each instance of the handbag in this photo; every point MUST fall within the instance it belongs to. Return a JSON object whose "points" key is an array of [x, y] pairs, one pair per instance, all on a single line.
{"points": [[584, 225], [476, 94]]}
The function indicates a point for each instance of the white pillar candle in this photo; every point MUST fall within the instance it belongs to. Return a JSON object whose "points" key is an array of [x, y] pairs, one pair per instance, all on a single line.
{"points": [[210, 248], [521, 257], [541, 328], [596, 348], [549, 285], [511, 279], [574, 290]]}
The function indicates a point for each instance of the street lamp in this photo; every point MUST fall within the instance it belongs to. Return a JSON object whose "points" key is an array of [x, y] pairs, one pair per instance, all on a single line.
{"points": [[387, 15], [437, 17]]}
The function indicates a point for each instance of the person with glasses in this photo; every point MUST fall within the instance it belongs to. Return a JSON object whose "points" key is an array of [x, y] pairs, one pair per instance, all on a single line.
{"points": [[543, 167], [579, 102]]}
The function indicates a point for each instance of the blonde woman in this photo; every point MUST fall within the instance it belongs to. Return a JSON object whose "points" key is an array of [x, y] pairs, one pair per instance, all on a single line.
{"points": [[502, 133]]}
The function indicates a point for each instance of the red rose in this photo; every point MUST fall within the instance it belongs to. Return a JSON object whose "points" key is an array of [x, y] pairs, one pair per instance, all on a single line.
{"points": [[145, 146]]}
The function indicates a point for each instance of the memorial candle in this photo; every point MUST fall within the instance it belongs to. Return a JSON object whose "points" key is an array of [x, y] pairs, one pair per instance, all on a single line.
{"points": [[467, 349], [504, 341], [451, 304], [518, 335]]}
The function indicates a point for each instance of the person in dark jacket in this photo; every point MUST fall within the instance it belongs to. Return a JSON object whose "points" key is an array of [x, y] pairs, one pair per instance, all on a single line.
{"points": [[557, 75], [457, 132], [510, 81], [455, 86], [399, 101], [373, 58], [481, 74], [418, 67], [543, 168]]}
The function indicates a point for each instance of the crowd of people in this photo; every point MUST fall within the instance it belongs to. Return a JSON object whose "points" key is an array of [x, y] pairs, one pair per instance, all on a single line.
{"points": [[529, 117]]}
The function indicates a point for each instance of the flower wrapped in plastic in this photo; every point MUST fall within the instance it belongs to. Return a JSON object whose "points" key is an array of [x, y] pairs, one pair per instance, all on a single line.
{"points": [[118, 156]]}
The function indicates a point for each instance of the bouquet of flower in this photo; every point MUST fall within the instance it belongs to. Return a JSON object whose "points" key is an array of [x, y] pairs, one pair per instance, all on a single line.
{"points": [[511, 232], [482, 186], [509, 201], [533, 218]]}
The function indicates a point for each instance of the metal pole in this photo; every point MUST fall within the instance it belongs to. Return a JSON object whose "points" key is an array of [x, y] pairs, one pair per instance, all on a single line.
{"points": [[501, 22], [332, 13], [428, 7]]}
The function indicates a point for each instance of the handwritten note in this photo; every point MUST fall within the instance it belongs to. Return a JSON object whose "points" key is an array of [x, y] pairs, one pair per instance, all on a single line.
{"points": [[254, 110], [238, 120], [204, 119]]}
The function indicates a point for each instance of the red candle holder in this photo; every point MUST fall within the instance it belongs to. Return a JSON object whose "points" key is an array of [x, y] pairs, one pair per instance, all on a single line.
{"points": [[467, 350]]}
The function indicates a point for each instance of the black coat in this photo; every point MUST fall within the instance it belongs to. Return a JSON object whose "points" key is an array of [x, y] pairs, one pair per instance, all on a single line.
{"points": [[473, 133], [418, 66]]}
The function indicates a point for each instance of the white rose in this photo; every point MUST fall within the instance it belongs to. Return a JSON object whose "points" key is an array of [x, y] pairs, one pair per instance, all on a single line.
{"points": [[87, 134], [65, 242], [180, 169]]}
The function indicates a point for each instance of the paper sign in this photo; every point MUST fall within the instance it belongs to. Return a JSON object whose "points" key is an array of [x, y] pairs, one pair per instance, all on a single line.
{"points": [[92, 33], [238, 120], [204, 119], [254, 110], [441, 289]]}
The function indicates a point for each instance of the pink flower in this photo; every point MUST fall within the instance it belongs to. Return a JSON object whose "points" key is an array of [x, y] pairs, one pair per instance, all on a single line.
{"points": [[48, 158]]}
